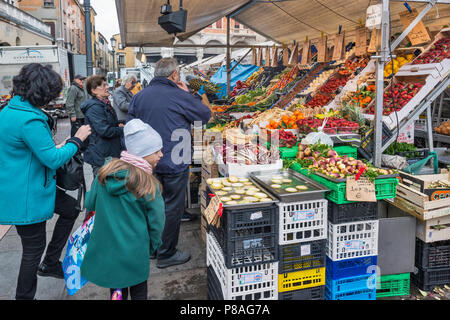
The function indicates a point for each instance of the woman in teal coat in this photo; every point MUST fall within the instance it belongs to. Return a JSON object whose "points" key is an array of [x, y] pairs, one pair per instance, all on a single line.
{"points": [[129, 215], [28, 163]]}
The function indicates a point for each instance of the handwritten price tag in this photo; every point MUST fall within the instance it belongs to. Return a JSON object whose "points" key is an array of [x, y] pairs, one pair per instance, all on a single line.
{"points": [[360, 190], [211, 212], [419, 33]]}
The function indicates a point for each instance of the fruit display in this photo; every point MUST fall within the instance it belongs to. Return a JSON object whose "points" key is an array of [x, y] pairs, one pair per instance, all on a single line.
{"points": [[274, 114], [444, 128], [318, 81], [362, 97], [210, 88], [439, 51], [319, 100], [287, 122], [393, 66], [285, 79], [254, 77], [402, 93], [351, 65], [234, 191], [333, 126], [333, 84], [287, 139]]}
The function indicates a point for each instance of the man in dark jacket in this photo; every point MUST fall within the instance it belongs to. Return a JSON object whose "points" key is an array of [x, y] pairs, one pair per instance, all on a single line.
{"points": [[168, 106], [75, 97]]}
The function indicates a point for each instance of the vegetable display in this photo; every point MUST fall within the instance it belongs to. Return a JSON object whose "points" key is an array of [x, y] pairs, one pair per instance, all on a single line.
{"points": [[319, 158], [333, 126]]}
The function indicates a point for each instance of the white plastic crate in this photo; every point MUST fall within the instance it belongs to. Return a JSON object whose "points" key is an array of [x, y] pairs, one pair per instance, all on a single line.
{"points": [[303, 221], [254, 282], [352, 240]]}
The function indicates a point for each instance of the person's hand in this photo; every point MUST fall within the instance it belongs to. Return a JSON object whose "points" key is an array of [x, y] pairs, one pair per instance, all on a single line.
{"points": [[83, 133], [121, 125], [73, 119], [183, 86]]}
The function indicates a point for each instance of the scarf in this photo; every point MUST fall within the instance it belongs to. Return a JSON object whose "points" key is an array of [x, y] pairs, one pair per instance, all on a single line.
{"points": [[136, 161]]}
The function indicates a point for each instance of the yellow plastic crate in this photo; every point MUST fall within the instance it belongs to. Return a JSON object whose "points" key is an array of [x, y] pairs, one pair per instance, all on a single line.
{"points": [[301, 279]]}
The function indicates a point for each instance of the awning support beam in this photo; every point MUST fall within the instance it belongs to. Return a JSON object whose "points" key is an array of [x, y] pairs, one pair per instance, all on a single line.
{"points": [[228, 56]]}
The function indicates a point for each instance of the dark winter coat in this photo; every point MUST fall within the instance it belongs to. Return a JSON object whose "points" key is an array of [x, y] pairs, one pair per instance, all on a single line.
{"points": [[104, 140], [167, 109]]}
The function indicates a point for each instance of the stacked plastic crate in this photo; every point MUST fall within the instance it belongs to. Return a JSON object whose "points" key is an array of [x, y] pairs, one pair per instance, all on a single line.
{"points": [[242, 254], [352, 250], [302, 244], [432, 262]]}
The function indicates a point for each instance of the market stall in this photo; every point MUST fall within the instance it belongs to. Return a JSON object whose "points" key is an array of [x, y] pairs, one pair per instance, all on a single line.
{"points": [[307, 165]]}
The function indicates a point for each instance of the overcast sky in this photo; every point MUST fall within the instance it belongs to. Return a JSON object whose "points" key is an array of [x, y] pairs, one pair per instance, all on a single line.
{"points": [[106, 21]]}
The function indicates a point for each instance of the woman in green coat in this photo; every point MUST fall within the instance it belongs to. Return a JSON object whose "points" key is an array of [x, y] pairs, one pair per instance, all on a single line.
{"points": [[129, 215]]}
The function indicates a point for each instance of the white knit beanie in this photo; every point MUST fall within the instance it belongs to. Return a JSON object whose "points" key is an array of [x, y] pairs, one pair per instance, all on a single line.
{"points": [[140, 139]]}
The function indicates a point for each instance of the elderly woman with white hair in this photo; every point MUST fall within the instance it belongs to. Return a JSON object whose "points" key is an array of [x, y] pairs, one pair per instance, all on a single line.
{"points": [[122, 97]]}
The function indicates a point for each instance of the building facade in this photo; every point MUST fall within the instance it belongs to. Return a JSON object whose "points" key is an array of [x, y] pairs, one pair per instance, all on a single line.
{"points": [[124, 57], [215, 34], [18, 28], [65, 18], [103, 60]]}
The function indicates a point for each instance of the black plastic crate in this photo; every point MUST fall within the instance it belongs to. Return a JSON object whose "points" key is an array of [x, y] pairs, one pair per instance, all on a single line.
{"points": [[432, 255], [302, 256], [248, 236], [427, 280], [358, 211], [213, 285], [414, 156], [315, 293]]}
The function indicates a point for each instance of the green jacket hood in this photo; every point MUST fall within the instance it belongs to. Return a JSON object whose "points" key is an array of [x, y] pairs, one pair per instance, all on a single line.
{"points": [[116, 183]]}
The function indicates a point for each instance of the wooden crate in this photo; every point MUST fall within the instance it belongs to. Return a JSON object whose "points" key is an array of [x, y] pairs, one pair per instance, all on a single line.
{"points": [[203, 226], [418, 204], [427, 231], [422, 183]]}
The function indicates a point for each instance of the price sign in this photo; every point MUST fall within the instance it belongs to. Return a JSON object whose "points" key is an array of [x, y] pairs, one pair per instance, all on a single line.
{"points": [[361, 41], [360, 190], [338, 52], [306, 58], [373, 15], [267, 58], [375, 40], [254, 56], [322, 50], [293, 59], [212, 209], [274, 57], [419, 33], [285, 56]]}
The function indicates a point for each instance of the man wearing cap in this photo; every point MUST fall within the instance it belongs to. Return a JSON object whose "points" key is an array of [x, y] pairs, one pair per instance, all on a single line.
{"points": [[75, 97], [169, 108]]}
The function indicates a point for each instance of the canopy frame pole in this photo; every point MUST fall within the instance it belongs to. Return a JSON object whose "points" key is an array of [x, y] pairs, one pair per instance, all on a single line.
{"points": [[419, 17], [381, 59], [228, 56], [240, 60]]}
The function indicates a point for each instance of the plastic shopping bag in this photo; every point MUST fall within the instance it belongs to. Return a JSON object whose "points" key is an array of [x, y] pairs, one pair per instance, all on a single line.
{"points": [[318, 137], [76, 248]]}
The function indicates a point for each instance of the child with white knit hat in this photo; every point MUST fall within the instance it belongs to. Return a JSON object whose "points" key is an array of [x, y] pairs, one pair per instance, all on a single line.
{"points": [[129, 215]]}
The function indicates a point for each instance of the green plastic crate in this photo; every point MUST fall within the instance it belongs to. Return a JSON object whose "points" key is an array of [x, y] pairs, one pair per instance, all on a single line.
{"points": [[393, 285], [384, 188], [289, 153], [347, 151]]}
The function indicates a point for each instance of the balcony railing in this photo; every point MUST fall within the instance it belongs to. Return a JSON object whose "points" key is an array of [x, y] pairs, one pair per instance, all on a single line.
{"points": [[15, 15]]}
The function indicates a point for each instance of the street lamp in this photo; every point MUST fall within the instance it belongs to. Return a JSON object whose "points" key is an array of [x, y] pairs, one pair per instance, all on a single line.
{"points": [[113, 45]]}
